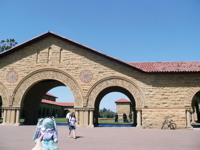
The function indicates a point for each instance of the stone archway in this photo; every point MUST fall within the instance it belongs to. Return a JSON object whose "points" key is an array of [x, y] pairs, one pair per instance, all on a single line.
{"points": [[195, 108], [190, 102], [39, 76], [122, 83], [45, 74]]}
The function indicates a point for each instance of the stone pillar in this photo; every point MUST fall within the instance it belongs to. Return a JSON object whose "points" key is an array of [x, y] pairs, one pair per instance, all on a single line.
{"points": [[11, 115], [188, 124], [86, 115], [91, 124], [192, 115], [8, 116], [77, 116], [4, 116], [139, 119], [195, 114], [81, 121], [17, 123]]}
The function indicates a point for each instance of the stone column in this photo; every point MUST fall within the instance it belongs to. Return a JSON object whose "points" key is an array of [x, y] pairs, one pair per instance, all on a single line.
{"points": [[8, 116], [188, 124], [77, 116], [192, 115], [81, 121], [17, 117], [86, 115], [139, 119], [13, 116], [195, 114], [4, 116], [91, 124]]}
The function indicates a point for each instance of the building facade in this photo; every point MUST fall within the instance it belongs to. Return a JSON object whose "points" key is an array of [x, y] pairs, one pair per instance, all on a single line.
{"points": [[156, 90]]}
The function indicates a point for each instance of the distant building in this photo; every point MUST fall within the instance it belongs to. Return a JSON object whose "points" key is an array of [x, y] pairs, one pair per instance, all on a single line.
{"points": [[49, 107], [123, 106]]}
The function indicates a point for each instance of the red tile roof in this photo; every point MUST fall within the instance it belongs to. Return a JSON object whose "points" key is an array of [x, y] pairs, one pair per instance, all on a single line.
{"points": [[69, 104], [122, 100], [188, 66], [51, 95]]}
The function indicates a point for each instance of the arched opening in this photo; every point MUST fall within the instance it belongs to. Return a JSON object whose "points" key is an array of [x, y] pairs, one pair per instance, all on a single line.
{"points": [[110, 90], [64, 99], [34, 106], [195, 108]]}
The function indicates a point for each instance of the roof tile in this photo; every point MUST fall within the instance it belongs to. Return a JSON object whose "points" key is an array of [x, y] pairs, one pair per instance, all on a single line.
{"points": [[185, 66]]}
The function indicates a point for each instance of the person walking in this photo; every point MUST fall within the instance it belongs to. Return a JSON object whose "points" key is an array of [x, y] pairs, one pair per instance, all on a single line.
{"points": [[72, 125], [130, 117], [116, 117]]}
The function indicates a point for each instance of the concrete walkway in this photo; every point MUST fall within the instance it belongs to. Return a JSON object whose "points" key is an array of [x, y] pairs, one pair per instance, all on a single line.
{"points": [[104, 138]]}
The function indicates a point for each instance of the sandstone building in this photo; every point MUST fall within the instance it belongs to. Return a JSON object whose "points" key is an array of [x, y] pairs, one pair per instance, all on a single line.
{"points": [[156, 89], [123, 106]]}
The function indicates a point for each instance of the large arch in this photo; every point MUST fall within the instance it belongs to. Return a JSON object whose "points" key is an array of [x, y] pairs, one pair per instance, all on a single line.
{"points": [[117, 84], [47, 74], [38, 83], [109, 90]]}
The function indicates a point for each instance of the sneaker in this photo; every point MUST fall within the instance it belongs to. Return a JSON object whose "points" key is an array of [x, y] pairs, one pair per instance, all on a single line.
{"points": [[68, 136], [74, 137]]}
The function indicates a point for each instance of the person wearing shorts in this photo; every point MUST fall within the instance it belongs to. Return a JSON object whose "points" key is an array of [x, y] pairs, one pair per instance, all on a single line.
{"points": [[72, 125]]}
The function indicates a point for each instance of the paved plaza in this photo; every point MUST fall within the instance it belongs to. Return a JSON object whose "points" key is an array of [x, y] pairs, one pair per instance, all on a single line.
{"points": [[105, 138]]}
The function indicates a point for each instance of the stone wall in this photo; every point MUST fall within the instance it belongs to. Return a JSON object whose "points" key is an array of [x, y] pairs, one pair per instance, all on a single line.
{"points": [[154, 118]]}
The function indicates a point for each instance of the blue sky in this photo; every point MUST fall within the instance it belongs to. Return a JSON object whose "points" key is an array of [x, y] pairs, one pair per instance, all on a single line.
{"points": [[130, 30]]}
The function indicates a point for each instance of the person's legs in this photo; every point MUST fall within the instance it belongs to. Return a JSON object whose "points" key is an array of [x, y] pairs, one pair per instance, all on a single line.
{"points": [[69, 133], [74, 134]]}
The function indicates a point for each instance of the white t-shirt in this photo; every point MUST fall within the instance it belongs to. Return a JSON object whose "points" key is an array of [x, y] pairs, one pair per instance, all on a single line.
{"points": [[72, 121]]}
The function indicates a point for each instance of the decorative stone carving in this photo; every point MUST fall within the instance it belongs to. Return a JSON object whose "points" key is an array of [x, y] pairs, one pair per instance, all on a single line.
{"points": [[40, 75], [12, 76], [86, 76], [114, 81]]}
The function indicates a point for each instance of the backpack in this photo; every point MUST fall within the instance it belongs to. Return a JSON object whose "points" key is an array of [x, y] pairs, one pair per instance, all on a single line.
{"points": [[68, 115]]}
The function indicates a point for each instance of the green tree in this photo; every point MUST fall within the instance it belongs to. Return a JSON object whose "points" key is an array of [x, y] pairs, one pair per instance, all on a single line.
{"points": [[106, 113], [7, 44]]}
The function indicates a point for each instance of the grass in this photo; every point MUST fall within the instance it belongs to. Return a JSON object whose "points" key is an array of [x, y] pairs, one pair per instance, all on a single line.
{"points": [[112, 121], [101, 121]]}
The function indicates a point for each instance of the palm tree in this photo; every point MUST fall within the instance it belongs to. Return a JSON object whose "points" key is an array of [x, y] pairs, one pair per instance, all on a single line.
{"points": [[7, 44]]}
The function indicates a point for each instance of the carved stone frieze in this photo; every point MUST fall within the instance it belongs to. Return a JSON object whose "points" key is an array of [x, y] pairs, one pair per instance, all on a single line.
{"points": [[35, 77], [133, 89]]}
